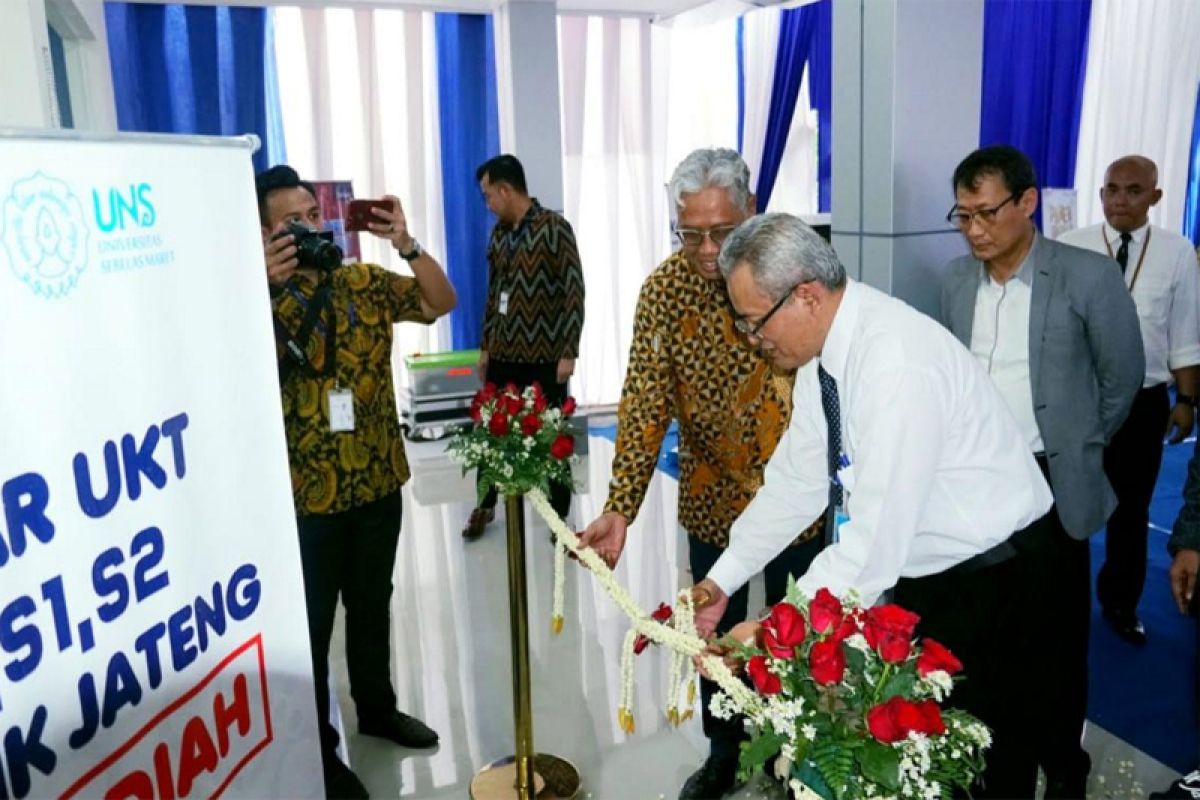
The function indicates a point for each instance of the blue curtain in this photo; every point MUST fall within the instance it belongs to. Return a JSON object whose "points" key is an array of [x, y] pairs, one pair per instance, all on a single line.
{"points": [[195, 70], [1191, 204], [805, 35], [1034, 60], [740, 45], [470, 131]]}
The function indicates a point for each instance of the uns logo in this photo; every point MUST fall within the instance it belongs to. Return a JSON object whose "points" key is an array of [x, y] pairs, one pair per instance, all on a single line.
{"points": [[133, 207]]}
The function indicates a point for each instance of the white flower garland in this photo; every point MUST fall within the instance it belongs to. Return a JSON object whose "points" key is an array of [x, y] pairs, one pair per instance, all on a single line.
{"points": [[681, 639]]}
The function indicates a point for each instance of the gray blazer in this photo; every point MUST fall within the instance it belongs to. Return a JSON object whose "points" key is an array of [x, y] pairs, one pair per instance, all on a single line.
{"points": [[1086, 363]]}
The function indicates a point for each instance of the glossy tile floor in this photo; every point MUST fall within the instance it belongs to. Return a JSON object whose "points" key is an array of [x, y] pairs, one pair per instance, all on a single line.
{"points": [[451, 656]]}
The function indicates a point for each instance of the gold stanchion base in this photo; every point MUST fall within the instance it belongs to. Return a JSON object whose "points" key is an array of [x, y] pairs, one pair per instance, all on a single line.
{"points": [[554, 779]]}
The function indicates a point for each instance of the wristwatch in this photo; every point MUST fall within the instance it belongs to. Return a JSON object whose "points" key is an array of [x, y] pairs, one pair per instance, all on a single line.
{"points": [[414, 253], [1186, 399]]}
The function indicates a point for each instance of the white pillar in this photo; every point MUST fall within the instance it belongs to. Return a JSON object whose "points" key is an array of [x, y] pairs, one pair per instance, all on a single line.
{"points": [[26, 72], [906, 83], [89, 74], [527, 94]]}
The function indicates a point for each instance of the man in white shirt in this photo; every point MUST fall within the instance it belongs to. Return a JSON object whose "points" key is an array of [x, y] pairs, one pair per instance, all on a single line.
{"points": [[1161, 273], [1057, 333], [930, 468]]}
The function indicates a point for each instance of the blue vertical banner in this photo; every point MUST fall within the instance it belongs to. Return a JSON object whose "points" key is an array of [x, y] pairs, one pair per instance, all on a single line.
{"points": [[1034, 61], [470, 132], [1191, 202], [805, 35], [195, 70]]}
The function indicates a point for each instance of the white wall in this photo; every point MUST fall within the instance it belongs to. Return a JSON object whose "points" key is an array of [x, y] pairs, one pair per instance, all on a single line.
{"points": [[27, 97]]}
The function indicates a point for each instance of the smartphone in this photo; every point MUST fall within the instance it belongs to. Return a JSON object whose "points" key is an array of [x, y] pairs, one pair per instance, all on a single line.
{"points": [[360, 212]]}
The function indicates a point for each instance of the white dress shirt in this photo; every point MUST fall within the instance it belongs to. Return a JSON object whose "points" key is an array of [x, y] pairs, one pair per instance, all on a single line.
{"points": [[1166, 291], [938, 470], [1000, 341]]}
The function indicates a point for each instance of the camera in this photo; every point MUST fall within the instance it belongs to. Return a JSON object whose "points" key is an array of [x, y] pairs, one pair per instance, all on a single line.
{"points": [[314, 249]]}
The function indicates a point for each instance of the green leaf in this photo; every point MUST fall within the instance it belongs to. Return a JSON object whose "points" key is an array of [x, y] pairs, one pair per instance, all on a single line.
{"points": [[807, 774], [760, 750], [900, 683], [880, 764]]}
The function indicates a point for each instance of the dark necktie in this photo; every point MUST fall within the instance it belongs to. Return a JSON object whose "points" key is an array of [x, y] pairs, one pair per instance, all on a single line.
{"points": [[833, 421], [1123, 251]]}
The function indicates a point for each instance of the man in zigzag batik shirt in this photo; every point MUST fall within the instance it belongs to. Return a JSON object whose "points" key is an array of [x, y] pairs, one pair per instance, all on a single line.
{"points": [[689, 362], [534, 311]]}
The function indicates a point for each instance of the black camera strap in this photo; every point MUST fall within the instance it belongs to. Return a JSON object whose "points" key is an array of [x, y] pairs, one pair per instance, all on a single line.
{"points": [[296, 347]]}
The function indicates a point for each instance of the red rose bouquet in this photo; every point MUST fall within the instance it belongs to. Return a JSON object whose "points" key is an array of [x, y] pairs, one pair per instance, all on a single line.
{"points": [[850, 706], [516, 440]]}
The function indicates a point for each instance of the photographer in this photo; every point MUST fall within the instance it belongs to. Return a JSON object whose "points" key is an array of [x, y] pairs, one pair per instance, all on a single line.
{"points": [[334, 331]]}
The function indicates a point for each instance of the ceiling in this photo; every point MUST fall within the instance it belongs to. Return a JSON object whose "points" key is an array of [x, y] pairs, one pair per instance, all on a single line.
{"points": [[672, 11]]}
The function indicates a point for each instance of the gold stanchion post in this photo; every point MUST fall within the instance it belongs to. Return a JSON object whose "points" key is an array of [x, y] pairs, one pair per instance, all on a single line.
{"points": [[527, 774]]}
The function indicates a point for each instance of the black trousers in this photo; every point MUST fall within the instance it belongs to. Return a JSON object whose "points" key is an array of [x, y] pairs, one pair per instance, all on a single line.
{"points": [[982, 616], [1132, 460], [725, 736], [352, 554], [524, 374]]}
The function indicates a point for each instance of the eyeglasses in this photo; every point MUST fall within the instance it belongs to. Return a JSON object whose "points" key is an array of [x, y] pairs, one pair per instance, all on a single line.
{"points": [[693, 237], [751, 330], [984, 216]]}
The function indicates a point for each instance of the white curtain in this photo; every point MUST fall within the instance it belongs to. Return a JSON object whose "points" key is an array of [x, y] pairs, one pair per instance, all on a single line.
{"points": [[759, 45], [636, 99], [1139, 95], [358, 91]]}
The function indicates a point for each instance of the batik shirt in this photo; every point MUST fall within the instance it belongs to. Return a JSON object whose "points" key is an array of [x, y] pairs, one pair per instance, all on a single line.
{"points": [[534, 308], [689, 363], [333, 472]]}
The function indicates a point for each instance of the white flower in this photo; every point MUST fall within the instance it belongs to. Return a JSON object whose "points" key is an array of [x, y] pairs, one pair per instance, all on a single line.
{"points": [[858, 642], [937, 684], [809, 731]]}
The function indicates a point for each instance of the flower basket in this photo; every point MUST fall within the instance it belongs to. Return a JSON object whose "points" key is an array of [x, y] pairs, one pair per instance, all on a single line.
{"points": [[516, 441], [852, 707]]}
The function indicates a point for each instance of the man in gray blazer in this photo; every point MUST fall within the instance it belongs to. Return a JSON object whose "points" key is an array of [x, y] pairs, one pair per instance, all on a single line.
{"points": [[1057, 331]]}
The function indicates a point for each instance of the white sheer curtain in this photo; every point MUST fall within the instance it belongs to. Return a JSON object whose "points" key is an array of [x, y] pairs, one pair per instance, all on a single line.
{"points": [[1139, 96], [358, 90], [636, 99], [759, 44]]}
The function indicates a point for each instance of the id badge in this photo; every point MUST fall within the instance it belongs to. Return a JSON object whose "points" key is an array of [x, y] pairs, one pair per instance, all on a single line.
{"points": [[840, 518], [504, 303], [341, 410]]}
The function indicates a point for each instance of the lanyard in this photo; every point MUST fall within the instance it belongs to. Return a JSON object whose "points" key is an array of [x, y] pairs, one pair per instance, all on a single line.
{"points": [[1141, 256], [297, 346]]}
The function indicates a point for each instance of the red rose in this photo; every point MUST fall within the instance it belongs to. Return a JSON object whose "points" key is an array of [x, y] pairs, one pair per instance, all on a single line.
{"points": [[568, 407], [486, 393], [513, 404], [824, 612], [773, 646], [827, 662], [511, 389], [892, 721], [931, 723], [765, 681], [786, 623], [661, 614], [498, 425], [531, 424], [537, 389], [562, 447], [889, 631], [882, 722], [934, 656], [540, 403], [476, 411]]}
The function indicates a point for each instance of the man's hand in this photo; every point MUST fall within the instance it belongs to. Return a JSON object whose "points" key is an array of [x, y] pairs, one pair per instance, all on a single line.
{"points": [[1182, 420], [392, 225], [566, 368], [280, 255], [1183, 577], [483, 365], [710, 603], [606, 536]]}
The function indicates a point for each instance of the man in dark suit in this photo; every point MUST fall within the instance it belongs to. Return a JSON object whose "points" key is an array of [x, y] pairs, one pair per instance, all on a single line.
{"points": [[1058, 333]]}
